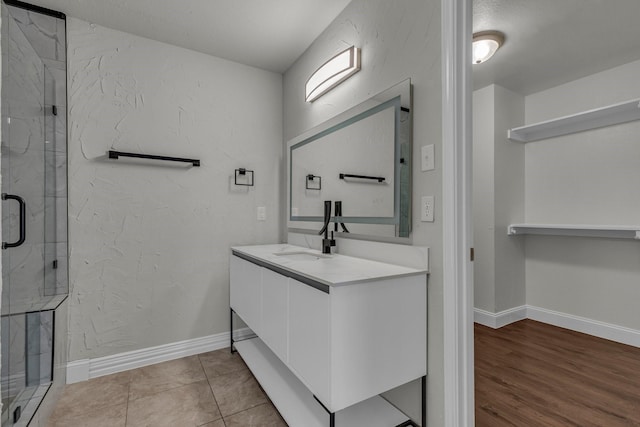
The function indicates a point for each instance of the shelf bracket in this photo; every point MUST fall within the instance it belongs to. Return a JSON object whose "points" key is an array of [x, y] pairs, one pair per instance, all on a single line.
{"points": [[511, 231]]}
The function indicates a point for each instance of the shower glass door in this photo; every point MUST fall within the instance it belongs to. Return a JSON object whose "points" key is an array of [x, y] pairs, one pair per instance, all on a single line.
{"points": [[30, 289]]}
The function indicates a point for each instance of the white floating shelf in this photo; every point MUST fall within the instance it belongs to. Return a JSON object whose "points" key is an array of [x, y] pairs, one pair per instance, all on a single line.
{"points": [[610, 231], [296, 403], [614, 114]]}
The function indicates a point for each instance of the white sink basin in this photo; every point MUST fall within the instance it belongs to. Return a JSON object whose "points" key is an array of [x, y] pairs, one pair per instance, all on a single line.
{"points": [[302, 255]]}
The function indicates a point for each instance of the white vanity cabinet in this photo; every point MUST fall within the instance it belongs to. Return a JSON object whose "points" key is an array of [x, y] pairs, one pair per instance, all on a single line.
{"points": [[309, 346], [245, 293], [275, 304], [346, 339]]}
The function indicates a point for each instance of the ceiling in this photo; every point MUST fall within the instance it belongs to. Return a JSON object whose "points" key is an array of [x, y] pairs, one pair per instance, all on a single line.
{"points": [[550, 42], [265, 34]]}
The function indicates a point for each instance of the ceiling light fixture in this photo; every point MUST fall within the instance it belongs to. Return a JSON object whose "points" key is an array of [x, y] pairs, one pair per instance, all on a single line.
{"points": [[485, 44], [332, 73]]}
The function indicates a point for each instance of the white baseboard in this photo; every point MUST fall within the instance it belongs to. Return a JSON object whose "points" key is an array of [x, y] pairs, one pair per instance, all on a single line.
{"points": [[85, 369], [596, 328], [503, 318]]}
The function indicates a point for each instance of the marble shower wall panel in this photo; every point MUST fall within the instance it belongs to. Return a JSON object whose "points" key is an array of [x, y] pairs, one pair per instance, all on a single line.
{"points": [[26, 275], [23, 161], [23, 94], [56, 171], [55, 129], [39, 44], [13, 362], [62, 273], [55, 125], [55, 225], [59, 368], [46, 34], [149, 240]]}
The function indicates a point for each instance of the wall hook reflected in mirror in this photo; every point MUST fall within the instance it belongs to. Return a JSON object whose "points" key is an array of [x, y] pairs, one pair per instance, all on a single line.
{"points": [[313, 182], [245, 175]]}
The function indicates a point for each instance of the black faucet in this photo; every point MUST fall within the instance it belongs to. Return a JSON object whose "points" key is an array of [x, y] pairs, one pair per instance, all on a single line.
{"points": [[338, 212], [326, 242]]}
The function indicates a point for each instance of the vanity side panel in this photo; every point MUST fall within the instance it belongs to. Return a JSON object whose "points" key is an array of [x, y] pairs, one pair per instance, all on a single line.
{"points": [[309, 338], [378, 337], [275, 301], [245, 292]]}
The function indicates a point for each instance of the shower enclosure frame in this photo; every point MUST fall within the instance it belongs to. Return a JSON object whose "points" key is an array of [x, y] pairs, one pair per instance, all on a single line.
{"points": [[43, 371]]}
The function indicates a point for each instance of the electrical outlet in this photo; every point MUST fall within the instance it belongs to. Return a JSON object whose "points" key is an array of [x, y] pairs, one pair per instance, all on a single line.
{"points": [[262, 213], [428, 158], [426, 211]]}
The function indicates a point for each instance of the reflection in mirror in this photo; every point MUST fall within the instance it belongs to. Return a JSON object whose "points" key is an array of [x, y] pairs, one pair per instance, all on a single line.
{"points": [[361, 158]]}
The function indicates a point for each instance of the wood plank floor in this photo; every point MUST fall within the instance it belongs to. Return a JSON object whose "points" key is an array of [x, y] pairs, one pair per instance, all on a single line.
{"points": [[532, 374]]}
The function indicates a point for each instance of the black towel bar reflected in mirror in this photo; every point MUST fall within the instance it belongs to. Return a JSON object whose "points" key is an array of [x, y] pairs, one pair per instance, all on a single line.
{"points": [[374, 178]]}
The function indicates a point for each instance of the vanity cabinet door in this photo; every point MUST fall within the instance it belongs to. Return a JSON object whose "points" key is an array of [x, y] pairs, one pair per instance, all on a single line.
{"points": [[275, 299], [246, 292], [309, 337]]}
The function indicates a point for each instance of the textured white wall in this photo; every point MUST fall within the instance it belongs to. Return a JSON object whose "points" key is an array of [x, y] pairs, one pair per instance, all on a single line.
{"points": [[498, 199], [399, 40], [149, 241], [509, 201], [484, 276], [586, 178]]}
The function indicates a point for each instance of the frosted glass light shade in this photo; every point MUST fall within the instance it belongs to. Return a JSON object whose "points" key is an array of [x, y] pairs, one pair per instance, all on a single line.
{"points": [[485, 44], [332, 73]]}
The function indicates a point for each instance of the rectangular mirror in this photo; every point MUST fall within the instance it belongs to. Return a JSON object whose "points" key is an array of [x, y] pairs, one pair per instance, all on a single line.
{"points": [[361, 158]]}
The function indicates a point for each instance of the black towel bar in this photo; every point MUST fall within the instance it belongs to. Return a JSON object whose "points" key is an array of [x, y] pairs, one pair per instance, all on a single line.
{"points": [[116, 154]]}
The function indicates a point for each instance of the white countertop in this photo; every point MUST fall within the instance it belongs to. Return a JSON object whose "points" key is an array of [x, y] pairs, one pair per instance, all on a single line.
{"points": [[334, 270]]}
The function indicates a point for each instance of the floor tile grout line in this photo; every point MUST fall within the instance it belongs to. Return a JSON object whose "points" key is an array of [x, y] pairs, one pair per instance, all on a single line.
{"points": [[155, 393], [210, 380], [246, 409], [268, 402], [245, 368], [126, 413], [171, 388], [211, 389], [85, 413]]}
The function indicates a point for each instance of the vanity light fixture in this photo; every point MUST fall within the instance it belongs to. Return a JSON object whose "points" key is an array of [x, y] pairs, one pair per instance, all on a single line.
{"points": [[485, 44], [332, 73]]}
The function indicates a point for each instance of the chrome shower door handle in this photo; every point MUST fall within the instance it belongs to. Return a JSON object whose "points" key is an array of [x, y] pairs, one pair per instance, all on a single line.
{"points": [[23, 217]]}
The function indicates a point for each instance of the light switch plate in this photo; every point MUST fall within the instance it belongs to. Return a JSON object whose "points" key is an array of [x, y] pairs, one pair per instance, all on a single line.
{"points": [[428, 157], [262, 213], [426, 209]]}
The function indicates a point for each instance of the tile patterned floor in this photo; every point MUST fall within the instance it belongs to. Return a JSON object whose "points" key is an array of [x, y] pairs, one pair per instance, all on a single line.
{"points": [[213, 389]]}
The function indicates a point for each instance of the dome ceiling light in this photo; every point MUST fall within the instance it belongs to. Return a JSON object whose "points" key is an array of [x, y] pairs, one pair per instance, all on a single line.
{"points": [[485, 44]]}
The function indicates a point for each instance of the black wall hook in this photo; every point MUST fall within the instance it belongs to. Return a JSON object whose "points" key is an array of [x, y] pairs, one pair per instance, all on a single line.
{"points": [[244, 172]]}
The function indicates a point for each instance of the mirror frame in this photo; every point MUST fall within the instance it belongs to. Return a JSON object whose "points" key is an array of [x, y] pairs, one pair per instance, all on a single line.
{"points": [[400, 98]]}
